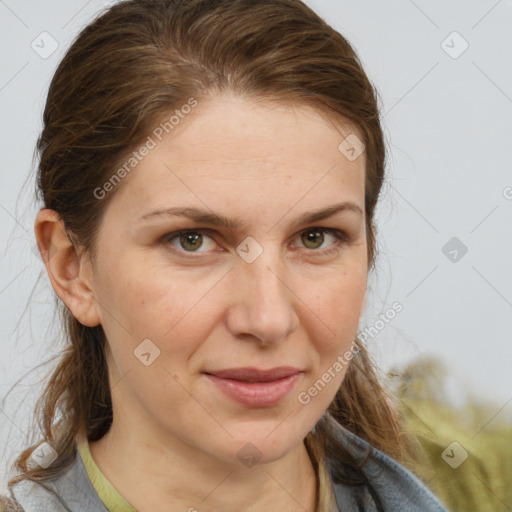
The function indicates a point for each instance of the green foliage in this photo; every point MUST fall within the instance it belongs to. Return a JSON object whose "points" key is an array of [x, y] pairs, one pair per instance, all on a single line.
{"points": [[483, 481]]}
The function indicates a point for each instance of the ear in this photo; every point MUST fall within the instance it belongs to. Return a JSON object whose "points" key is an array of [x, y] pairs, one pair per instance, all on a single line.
{"points": [[70, 273]]}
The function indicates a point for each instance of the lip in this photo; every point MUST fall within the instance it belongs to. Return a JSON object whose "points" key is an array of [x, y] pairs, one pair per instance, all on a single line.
{"points": [[250, 374], [256, 388]]}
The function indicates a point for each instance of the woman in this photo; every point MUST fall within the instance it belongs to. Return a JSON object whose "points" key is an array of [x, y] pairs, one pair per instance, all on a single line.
{"points": [[225, 374]]}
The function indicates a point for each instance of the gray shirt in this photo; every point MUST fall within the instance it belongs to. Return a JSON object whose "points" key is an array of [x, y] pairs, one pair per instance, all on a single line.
{"points": [[398, 489]]}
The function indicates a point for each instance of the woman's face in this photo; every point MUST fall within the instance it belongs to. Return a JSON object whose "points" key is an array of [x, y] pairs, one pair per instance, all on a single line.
{"points": [[273, 291]]}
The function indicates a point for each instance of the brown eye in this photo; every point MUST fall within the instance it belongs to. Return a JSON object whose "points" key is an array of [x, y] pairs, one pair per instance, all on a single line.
{"points": [[189, 241], [194, 239], [312, 238]]}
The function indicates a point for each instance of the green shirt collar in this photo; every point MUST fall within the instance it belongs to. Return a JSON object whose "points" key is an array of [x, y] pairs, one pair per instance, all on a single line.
{"points": [[109, 495]]}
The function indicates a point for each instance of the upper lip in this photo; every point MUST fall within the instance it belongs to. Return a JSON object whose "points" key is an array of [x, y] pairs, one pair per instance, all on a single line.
{"points": [[254, 374]]}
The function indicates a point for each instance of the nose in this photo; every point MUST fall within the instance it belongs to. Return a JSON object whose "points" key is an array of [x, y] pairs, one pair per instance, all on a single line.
{"points": [[262, 304]]}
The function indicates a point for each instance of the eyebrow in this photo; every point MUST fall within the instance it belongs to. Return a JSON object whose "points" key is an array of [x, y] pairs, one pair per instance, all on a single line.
{"points": [[208, 217]]}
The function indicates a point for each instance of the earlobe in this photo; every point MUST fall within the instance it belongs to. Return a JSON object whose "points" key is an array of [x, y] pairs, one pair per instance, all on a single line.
{"points": [[69, 272]]}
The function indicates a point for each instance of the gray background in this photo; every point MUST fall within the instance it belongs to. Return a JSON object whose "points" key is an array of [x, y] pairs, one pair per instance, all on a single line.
{"points": [[448, 130]]}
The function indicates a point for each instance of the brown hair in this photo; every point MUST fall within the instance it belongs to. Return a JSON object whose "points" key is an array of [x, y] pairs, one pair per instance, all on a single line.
{"points": [[137, 61]]}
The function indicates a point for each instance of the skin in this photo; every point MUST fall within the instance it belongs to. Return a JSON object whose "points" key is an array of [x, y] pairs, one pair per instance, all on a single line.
{"points": [[175, 436]]}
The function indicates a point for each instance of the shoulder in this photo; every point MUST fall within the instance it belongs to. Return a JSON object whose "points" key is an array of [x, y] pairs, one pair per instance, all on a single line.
{"points": [[70, 491], [398, 489]]}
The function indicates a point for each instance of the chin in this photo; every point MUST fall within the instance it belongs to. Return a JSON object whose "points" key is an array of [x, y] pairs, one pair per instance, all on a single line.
{"points": [[267, 443]]}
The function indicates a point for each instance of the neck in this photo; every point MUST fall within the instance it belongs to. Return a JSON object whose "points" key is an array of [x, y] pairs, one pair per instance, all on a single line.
{"points": [[168, 473]]}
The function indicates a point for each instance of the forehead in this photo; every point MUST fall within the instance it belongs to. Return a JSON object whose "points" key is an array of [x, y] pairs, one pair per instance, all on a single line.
{"points": [[230, 148], [255, 130]]}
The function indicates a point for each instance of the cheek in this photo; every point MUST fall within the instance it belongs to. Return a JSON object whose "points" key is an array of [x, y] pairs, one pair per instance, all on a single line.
{"points": [[168, 308], [333, 323], [337, 306]]}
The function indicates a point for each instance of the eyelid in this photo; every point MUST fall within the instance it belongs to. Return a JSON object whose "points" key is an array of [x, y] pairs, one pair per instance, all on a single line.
{"points": [[342, 237]]}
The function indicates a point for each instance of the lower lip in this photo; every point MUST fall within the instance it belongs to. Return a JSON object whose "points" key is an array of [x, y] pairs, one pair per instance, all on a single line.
{"points": [[257, 394]]}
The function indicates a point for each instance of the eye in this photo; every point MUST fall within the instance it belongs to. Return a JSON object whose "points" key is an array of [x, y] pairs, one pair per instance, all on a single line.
{"points": [[192, 240], [189, 241], [312, 236]]}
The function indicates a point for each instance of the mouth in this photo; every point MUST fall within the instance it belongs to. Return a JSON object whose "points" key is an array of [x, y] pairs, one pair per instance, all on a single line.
{"points": [[256, 388], [249, 374]]}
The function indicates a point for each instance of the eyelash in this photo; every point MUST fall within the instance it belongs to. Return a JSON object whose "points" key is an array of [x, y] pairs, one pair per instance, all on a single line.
{"points": [[341, 237]]}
